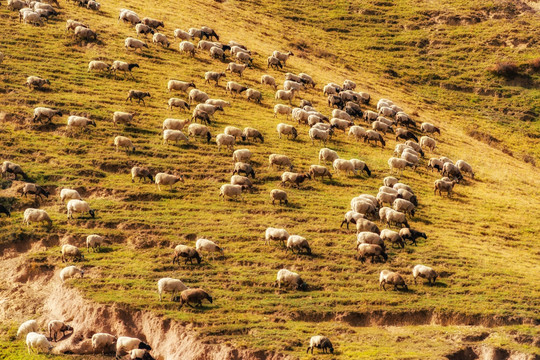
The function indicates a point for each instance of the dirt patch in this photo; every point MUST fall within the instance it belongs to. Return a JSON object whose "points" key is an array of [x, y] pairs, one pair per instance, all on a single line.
{"points": [[488, 353]]}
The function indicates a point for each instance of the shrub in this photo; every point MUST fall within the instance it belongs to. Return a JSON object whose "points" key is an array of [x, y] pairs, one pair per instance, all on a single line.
{"points": [[507, 69], [535, 64]]}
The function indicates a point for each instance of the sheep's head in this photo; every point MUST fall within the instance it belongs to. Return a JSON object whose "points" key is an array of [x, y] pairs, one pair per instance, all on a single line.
{"points": [[92, 213]]}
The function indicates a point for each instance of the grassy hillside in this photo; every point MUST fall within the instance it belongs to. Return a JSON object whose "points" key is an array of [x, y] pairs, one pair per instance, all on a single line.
{"points": [[482, 241]]}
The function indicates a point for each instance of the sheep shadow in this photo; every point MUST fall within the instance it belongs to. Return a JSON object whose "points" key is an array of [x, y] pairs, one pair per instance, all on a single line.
{"points": [[104, 250]]}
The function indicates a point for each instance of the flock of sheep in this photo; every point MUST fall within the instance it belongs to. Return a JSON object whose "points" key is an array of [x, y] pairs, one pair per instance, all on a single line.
{"points": [[366, 209]]}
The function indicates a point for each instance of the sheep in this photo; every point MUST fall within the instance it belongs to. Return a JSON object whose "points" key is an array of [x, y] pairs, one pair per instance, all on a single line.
{"points": [[341, 124], [85, 33], [322, 126], [286, 129], [252, 94], [427, 142], [37, 342], [209, 32], [410, 158], [31, 17], [129, 16], [294, 178], [187, 47], [368, 237], [140, 354], [273, 62], [174, 124], [122, 118], [364, 250], [412, 235], [279, 160], [235, 88], [452, 171], [385, 121], [269, 80], [70, 271], [194, 296], [235, 132], [125, 344], [79, 122], [241, 155], [251, 133], [199, 130], [391, 278], [69, 194], [225, 140], [141, 173], [326, 154], [425, 272], [122, 141], [102, 341], [444, 160], [404, 120], [94, 242], [153, 23], [139, 95], [93, 5], [174, 135], [134, 44], [392, 237], [340, 114], [351, 217], [98, 66], [400, 149], [353, 109], [364, 225], [235, 49], [307, 80], [395, 217], [207, 245], [429, 128], [282, 56], [289, 278], [36, 215], [348, 95], [179, 103], [167, 179], [313, 120], [180, 85], [386, 111], [386, 198], [331, 90], [245, 168], [34, 189], [79, 206], [405, 134], [357, 132], [343, 165], [398, 186], [464, 167], [322, 135], [277, 234], [143, 29], [244, 57], [36, 82], [300, 115], [381, 126], [398, 164], [390, 181], [72, 24], [70, 251], [57, 326], [360, 165], [124, 67], [170, 285], [370, 116], [292, 85], [415, 146], [242, 180], [159, 38], [349, 85], [194, 32], [186, 252], [444, 186], [238, 68], [26, 327], [337, 101], [320, 342], [232, 191], [213, 76], [199, 114], [181, 34], [372, 135], [278, 195], [285, 95], [319, 171], [407, 195], [16, 4]]}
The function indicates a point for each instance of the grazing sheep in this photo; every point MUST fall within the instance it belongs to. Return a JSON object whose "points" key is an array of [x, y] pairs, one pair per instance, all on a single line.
{"points": [[79, 206], [415, 146], [353, 109], [36, 82], [278, 195], [93, 5], [98, 66], [35, 190], [94, 241], [277, 234], [425, 272], [337, 101], [199, 130], [186, 252], [368, 237], [387, 111], [358, 132], [294, 178], [410, 157], [320, 342], [187, 47], [37, 342], [392, 237], [279, 160], [235, 132], [31, 17], [300, 115], [435, 163], [349, 85], [26, 327], [84, 33], [245, 168], [412, 235], [372, 250], [179, 103], [360, 165], [273, 62], [199, 114], [292, 85], [174, 135], [129, 16], [445, 160], [407, 195], [386, 198], [351, 217], [286, 129], [180, 85], [72, 24], [239, 69], [391, 278], [134, 44], [289, 278], [225, 140], [444, 186], [139, 95], [252, 94], [427, 142], [55, 327], [319, 171], [124, 67], [370, 116], [322, 135], [398, 186], [464, 167], [251, 133], [395, 217], [343, 165], [102, 341], [143, 29], [381, 126], [429, 128], [364, 225], [235, 88], [241, 155], [122, 118], [208, 246], [269, 80], [70, 271], [405, 134], [45, 113], [153, 23], [170, 285], [282, 56], [331, 89], [307, 80], [159, 38], [213, 76], [36, 215], [232, 191], [175, 124], [341, 124], [398, 164], [69, 194], [181, 34], [285, 95], [141, 173], [452, 171], [122, 141], [79, 122], [372, 135], [245, 57], [403, 119], [390, 181], [194, 296], [340, 114], [70, 251], [125, 344], [140, 354], [326, 154], [167, 179]]}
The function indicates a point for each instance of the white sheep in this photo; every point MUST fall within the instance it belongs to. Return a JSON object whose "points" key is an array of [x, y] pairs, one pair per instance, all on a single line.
{"points": [[187, 47], [340, 114], [282, 56], [269, 80], [326, 154], [404, 206], [134, 44], [36, 82], [444, 186], [26, 327], [317, 134], [36, 215], [70, 251], [319, 171], [181, 34], [234, 131], [392, 237], [398, 164], [245, 57], [196, 95], [125, 344], [282, 110], [120, 117], [351, 217], [357, 132], [218, 102], [176, 102], [93, 5], [174, 124], [390, 181], [79, 122], [174, 135], [299, 243], [129, 16], [429, 128], [94, 241], [225, 140], [252, 94], [425, 272], [292, 85], [79, 206], [251, 133], [349, 85], [170, 285], [199, 130], [427, 142], [285, 95], [465, 167], [395, 217], [179, 85], [122, 141], [398, 186], [320, 342], [347, 166], [102, 341], [232, 191], [278, 195], [276, 234], [70, 271], [289, 278], [241, 155], [368, 237], [279, 160], [391, 278], [241, 180], [124, 67], [37, 342], [207, 245], [47, 113], [237, 68], [98, 66], [286, 129], [55, 327], [85, 33], [159, 38], [167, 179], [307, 80], [69, 194], [141, 173]]}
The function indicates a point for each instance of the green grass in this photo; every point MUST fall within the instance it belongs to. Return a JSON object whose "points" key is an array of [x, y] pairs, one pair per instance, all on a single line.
{"points": [[483, 240]]}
